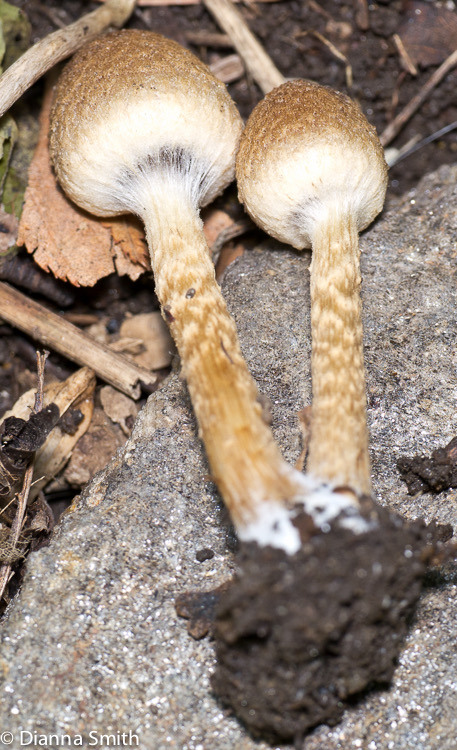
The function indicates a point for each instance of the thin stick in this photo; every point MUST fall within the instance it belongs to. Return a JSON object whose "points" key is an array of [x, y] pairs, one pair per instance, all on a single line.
{"points": [[404, 57], [22, 498], [61, 336], [57, 46], [402, 118], [151, 3], [258, 63], [334, 50]]}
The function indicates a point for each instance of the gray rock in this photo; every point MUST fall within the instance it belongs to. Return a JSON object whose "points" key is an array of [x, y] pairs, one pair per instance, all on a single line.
{"points": [[93, 642]]}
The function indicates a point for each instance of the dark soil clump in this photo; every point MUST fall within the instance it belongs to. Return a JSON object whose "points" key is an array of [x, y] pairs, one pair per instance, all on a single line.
{"points": [[435, 473], [298, 636]]}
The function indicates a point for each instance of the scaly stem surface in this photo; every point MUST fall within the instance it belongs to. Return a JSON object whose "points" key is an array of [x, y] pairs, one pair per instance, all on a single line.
{"points": [[338, 448], [244, 460]]}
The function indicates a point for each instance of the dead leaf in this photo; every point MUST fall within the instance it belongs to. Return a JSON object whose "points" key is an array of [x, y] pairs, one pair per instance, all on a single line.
{"points": [[93, 451], [64, 239], [19, 441], [121, 409], [74, 392], [428, 32], [215, 221], [129, 245], [227, 255], [151, 329]]}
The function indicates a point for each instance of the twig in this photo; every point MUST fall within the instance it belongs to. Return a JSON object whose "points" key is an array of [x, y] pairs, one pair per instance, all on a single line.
{"points": [[207, 39], [59, 335], [16, 526], [334, 50], [153, 3], [320, 10], [50, 13], [258, 63], [41, 363], [416, 143], [227, 69], [402, 118], [404, 56], [230, 233], [57, 46]]}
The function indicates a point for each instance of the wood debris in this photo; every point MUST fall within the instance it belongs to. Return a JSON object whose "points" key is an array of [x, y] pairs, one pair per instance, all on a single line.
{"points": [[59, 335]]}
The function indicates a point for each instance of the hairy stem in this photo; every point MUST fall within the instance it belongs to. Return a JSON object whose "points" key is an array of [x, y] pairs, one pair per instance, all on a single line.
{"points": [[338, 448], [244, 460]]}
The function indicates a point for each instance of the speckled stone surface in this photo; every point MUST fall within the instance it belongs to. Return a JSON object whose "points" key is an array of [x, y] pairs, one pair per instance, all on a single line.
{"points": [[93, 643]]}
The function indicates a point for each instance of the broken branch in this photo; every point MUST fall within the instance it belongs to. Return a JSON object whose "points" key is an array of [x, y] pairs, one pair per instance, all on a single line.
{"points": [[407, 112], [59, 335], [258, 63]]}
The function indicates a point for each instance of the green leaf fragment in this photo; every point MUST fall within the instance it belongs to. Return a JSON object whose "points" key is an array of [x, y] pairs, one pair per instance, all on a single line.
{"points": [[15, 34]]}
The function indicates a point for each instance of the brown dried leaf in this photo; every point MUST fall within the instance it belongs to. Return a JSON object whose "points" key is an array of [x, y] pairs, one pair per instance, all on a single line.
{"points": [[74, 392], [151, 329], [93, 451], [129, 243], [215, 221], [64, 239], [121, 409], [428, 32]]}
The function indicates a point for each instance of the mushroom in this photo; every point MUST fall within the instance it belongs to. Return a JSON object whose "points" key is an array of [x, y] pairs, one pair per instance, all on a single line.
{"points": [[298, 634], [140, 125], [326, 176]]}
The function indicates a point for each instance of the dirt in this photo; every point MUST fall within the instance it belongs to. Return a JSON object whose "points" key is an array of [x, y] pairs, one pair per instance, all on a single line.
{"points": [[435, 473], [297, 637]]}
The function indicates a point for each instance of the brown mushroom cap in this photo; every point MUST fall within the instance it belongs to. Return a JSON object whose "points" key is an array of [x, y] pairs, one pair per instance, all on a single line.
{"points": [[306, 149], [130, 105]]}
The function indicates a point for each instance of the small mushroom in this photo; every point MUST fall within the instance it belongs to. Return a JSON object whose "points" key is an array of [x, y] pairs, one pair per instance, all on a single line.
{"points": [[298, 635], [140, 125], [311, 172]]}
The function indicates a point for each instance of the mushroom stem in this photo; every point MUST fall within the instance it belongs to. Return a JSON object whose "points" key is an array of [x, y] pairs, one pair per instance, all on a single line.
{"points": [[244, 460], [338, 447], [57, 46]]}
